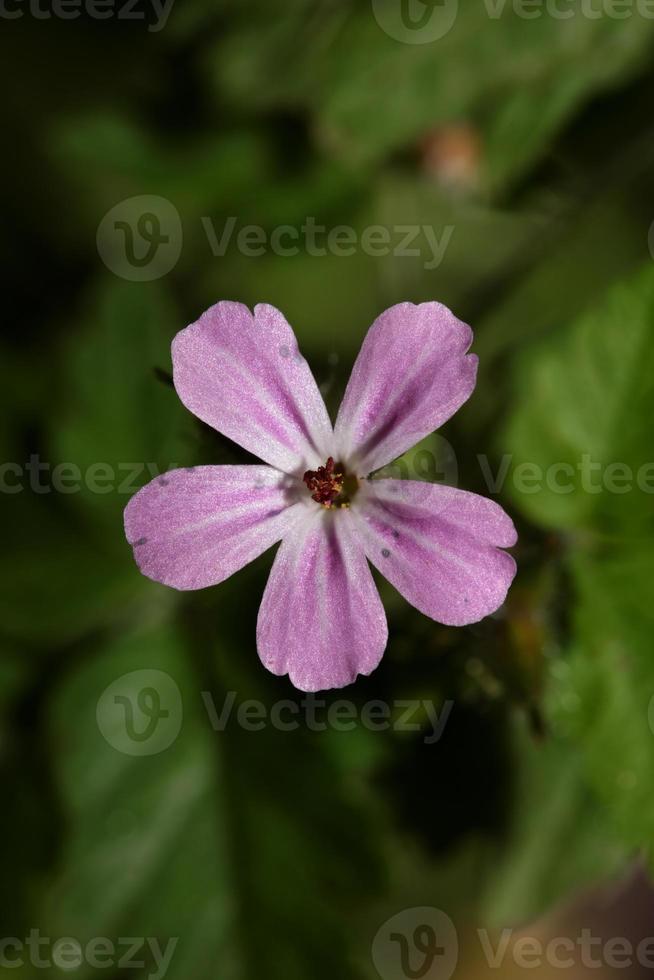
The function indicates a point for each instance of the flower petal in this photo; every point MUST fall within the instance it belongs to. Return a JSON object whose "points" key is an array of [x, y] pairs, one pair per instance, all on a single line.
{"points": [[244, 375], [411, 375], [321, 620], [439, 547], [195, 527]]}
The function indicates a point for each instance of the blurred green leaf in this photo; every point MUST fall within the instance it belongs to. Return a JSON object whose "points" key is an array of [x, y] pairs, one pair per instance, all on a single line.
{"points": [[585, 401], [59, 581], [530, 75], [570, 63], [117, 422], [561, 838], [583, 413], [223, 838], [148, 826], [578, 247], [107, 157], [463, 247], [604, 696]]}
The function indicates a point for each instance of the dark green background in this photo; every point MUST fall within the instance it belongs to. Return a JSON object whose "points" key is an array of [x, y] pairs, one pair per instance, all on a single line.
{"points": [[274, 854]]}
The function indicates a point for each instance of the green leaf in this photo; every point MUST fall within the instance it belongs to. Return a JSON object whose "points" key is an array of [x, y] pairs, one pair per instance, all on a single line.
{"points": [[586, 399], [603, 698], [583, 413], [117, 422], [60, 580], [530, 75], [560, 838], [159, 867], [111, 158], [238, 842], [598, 242], [567, 66]]}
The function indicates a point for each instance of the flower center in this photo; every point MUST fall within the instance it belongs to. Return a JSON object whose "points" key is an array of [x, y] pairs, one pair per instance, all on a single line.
{"points": [[330, 485]]}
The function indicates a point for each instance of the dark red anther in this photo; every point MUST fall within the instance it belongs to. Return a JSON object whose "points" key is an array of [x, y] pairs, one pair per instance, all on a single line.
{"points": [[324, 484]]}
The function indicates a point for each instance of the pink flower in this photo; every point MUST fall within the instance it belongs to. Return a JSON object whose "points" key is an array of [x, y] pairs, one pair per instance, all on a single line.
{"points": [[321, 620]]}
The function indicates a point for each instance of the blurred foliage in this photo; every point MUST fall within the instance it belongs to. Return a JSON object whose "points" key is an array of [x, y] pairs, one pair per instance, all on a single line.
{"points": [[278, 853], [591, 393]]}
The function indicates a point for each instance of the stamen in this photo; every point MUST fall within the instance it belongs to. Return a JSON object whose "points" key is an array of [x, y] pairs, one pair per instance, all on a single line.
{"points": [[324, 483]]}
